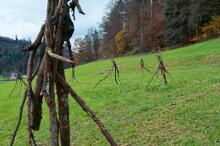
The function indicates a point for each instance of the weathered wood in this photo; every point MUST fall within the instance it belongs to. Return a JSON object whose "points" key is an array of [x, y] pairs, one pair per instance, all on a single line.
{"points": [[58, 28], [143, 67], [36, 107], [18, 123], [71, 58], [48, 85], [30, 94], [40, 61], [63, 104], [86, 108], [19, 118], [58, 57], [63, 108]]}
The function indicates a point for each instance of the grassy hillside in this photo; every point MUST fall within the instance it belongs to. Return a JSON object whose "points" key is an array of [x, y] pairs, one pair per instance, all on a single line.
{"points": [[186, 112]]}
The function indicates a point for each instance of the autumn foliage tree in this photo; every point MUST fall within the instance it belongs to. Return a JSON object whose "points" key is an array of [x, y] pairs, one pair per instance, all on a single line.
{"points": [[150, 24], [121, 42], [211, 29]]}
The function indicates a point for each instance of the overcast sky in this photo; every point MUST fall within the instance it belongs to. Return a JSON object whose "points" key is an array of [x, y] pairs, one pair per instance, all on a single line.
{"points": [[24, 17]]}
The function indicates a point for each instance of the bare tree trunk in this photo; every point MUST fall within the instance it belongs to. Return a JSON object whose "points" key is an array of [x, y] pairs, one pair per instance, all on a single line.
{"points": [[63, 106], [142, 25], [62, 95], [49, 92], [30, 94]]}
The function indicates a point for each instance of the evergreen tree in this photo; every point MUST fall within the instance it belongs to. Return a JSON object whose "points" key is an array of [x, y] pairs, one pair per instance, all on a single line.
{"points": [[201, 12], [177, 19]]}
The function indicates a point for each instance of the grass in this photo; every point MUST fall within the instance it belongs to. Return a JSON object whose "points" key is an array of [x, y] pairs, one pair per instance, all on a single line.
{"points": [[186, 112]]}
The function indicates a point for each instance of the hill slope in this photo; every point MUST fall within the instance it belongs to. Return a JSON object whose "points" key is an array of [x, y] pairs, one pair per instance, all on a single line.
{"points": [[186, 112]]}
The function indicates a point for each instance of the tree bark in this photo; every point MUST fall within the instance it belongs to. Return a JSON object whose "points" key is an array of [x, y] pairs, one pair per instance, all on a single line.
{"points": [[48, 87], [30, 94]]}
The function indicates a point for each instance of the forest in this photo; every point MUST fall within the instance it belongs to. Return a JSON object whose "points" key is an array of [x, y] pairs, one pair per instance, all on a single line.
{"points": [[131, 26], [11, 58]]}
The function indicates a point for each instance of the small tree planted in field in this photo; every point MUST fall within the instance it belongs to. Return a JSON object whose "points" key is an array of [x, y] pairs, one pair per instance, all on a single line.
{"points": [[161, 70], [114, 69]]}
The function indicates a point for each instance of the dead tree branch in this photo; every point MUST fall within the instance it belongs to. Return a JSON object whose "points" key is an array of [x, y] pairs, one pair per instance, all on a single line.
{"points": [[30, 94], [19, 118], [116, 74], [13, 89], [40, 61], [58, 28], [102, 80], [37, 41], [161, 70], [86, 109], [116, 69], [71, 58], [143, 67], [58, 57]]}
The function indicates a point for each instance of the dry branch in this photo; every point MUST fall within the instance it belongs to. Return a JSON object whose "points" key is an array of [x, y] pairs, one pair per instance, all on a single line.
{"points": [[116, 74], [36, 108], [71, 58], [58, 28], [57, 10], [48, 84], [13, 89], [58, 57], [19, 118], [86, 109], [116, 69], [143, 67], [30, 94], [58, 66], [102, 80], [75, 4], [63, 106], [20, 114], [40, 61], [161, 70], [50, 100], [37, 41]]}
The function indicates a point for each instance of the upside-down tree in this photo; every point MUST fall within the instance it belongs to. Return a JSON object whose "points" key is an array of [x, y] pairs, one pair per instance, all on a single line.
{"points": [[51, 83]]}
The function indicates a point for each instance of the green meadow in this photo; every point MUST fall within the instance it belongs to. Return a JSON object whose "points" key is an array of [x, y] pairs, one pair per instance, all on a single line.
{"points": [[185, 112]]}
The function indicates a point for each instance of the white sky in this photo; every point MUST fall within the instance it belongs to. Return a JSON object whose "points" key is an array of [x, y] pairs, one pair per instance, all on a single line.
{"points": [[25, 17]]}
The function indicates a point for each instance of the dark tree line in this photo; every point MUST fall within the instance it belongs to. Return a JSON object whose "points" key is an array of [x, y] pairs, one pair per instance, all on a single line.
{"points": [[184, 18], [11, 58]]}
